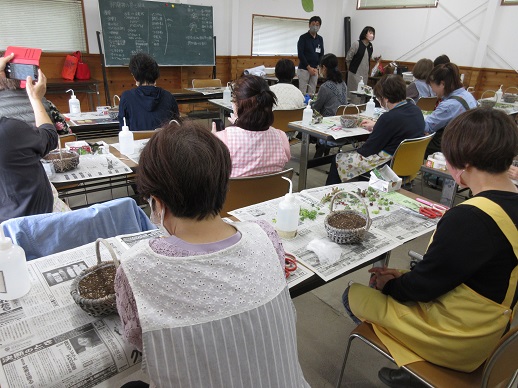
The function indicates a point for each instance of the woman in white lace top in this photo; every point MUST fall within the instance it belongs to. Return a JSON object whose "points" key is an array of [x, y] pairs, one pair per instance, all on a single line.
{"points": [[208, 303]]}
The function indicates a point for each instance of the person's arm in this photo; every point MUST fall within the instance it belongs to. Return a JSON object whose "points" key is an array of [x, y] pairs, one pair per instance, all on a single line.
{"points": [[460, 247], [275, 239], [382, 132], [285, 144], [322, 97], [36, 93], [412, 92], [513, 172], [3, 62], [127, 309], [303, 63], [58, 119], [352, 51], [439, 118]]}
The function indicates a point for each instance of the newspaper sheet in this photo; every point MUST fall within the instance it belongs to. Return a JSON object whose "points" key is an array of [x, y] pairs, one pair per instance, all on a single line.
{"points": [[137, 149], [390, 228], [46, 340], [93, 167], [208, 90], [90, 118], [331, 126]]}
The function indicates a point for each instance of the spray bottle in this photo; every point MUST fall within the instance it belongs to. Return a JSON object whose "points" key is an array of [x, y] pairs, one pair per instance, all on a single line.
{"points": [[74, 104], [360, 86], [498, 94], [14, 275], [227, 94], [126, 141], [369, 109], [288, 214], [307, 114]]}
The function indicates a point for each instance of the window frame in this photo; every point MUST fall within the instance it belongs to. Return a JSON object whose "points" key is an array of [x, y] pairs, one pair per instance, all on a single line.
{"points": [[509, 2], [404, 5], [298, 33]]}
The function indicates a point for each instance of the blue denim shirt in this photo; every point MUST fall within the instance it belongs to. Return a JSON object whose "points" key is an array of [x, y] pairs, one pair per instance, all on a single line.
{"points": [[448, 109]]}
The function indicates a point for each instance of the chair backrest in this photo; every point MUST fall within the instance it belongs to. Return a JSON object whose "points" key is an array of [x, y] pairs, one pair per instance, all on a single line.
{"points": [[427, 103], [140, 135], [44, 234], [206, 82], [350, 109], [502, 365], [66, 138], [409, 156], [250, 190], [281, 118]]}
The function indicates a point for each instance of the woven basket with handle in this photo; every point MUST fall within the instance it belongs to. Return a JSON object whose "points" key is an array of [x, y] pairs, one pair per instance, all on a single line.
{"points": [[99, 280]]}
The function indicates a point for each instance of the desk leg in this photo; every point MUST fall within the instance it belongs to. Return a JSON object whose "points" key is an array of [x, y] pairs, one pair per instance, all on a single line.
{"points": [[303, 164], [222, 115], [449, 189]]}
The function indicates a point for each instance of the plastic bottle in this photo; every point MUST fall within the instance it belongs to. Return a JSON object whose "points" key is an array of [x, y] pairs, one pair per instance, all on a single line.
{"points": [[227, 94], [360, 86], [14, 275], [288, 215], [74, 104], [307, 114], [498, 94], [126, 141], [369, 111]]}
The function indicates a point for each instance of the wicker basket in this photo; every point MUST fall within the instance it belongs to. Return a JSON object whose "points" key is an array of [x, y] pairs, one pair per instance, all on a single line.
{"points": [[63, 161], [487, 102], [103, 276], [113, 112], [510, 97], [347, 236], [349, 121]]}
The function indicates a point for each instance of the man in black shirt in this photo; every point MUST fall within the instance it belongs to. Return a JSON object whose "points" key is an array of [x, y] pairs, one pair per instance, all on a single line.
{"points": [[310, 48]]}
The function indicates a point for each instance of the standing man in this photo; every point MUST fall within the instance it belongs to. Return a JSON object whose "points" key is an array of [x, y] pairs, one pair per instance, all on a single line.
{"points": [[310, 48]]}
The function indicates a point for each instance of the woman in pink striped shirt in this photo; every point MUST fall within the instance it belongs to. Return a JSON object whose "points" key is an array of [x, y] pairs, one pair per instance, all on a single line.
{"points": [[256, 148]]}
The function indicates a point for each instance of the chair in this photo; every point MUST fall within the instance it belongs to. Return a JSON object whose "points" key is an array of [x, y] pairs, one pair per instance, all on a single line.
{"points": [[500, 369], [66, 138], [141, 135], [427, 103], [281, 118], [44, 234], [204, 110], [246, 191], [350, 109], [409, 157]]}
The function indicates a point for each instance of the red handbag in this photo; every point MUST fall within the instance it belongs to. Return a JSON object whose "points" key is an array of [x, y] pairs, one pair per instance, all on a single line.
{"points": [[69, 67], [82, 71]]}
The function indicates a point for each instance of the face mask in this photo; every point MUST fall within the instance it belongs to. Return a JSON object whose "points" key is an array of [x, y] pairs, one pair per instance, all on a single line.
{"points": [[314, 29], [456, 174], [158, 221]]}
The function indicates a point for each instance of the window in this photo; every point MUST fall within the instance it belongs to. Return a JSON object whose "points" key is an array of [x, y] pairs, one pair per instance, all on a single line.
{"points": [[372, 4], [52, 25], [275, 35], [509, 2]]}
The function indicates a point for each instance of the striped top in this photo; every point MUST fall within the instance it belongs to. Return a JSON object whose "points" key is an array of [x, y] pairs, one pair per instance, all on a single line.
{"points": [[223, 319], [256, 152]]}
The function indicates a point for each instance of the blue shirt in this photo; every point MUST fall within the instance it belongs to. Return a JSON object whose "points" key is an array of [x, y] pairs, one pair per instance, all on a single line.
{"points": [[448, 109]]}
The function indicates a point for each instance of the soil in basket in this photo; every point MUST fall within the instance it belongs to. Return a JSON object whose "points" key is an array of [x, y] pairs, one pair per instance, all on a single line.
{"points": [[63, 155], [98, 284], [347, 221]]}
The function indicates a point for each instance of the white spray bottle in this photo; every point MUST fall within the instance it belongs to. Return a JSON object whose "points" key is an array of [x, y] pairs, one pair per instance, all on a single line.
{"points": [[73, 104], [307, 114], [14, 275], [227, 94], [360, 86], [498, 94], [288, 214], [369, 109], [126, 141]]}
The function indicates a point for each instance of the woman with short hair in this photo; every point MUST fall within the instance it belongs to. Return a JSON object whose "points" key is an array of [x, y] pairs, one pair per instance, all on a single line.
{"points": [[455, 304], [256, 148], [148, 106], [358, 58], [288, 96], [208, 294], [419, 88]]}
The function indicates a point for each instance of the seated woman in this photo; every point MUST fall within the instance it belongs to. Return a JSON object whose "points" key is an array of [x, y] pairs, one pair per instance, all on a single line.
{"points": [[404, 120], [456, 303], [288, 96], [331, 94], [209, 294], [256, 147], [148, 106], [419, 88], [445, 83], [25, 188]]}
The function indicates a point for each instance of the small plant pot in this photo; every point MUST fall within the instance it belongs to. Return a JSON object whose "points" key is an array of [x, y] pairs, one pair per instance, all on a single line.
{"points": [[487, 102]]}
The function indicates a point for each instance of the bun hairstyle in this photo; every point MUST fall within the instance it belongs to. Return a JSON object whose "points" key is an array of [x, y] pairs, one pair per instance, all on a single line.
{"points": [[330, 61], [447, 73], [254, 101]]}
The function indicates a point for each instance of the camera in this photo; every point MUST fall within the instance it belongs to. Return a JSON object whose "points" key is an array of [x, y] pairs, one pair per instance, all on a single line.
{"points": [[21, 71]]}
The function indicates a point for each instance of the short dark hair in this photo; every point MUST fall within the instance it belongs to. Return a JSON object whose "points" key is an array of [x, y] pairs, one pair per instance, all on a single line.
{"points": [[447, 73], [188, 168], [441, 60], [144, 68], [363, 34], [285, 70], [254, 101], [331, 63], [484, 138], [315, 19], [422, 68], [392, 87]]}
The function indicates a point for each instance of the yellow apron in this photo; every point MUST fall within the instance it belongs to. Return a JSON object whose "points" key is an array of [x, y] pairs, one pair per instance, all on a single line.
{"points": [[458, 330]]}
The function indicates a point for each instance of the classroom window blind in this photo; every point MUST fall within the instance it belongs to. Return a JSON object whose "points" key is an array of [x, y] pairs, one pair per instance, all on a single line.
{"points": [[275, 35], [370, 4], [52, 25]]}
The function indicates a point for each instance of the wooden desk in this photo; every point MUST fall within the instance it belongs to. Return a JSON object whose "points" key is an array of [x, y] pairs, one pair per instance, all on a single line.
{"points": [[90, 87]]}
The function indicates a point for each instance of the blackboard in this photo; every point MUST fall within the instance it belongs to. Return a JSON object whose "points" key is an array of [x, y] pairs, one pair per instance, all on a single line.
{"points": [[174, 34]]}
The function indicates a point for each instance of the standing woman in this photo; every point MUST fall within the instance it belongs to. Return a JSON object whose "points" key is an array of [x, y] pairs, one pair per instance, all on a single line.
{"points": [[358, 58]]}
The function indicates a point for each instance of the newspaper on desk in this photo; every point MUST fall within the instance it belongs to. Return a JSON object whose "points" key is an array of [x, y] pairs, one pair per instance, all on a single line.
{"points": [[46, 340], [331, 127], [92, 167], [208, 90], [390, 228], [137, 149]]}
